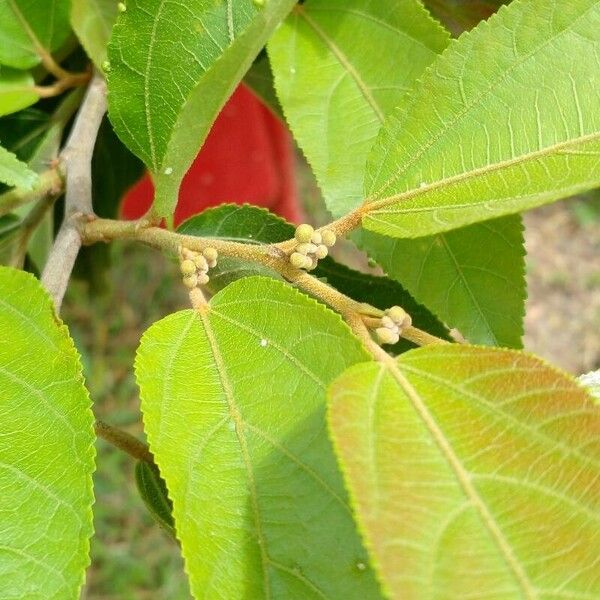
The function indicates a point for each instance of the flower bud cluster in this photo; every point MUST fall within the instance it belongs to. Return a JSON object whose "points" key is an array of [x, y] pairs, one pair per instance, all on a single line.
{"points": [[393, 323], [194, 266], [312, 245]]}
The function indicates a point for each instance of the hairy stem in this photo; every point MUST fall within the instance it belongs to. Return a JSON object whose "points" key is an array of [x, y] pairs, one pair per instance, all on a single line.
{"points": [[77, 160], [273, 256], [124, 441]]}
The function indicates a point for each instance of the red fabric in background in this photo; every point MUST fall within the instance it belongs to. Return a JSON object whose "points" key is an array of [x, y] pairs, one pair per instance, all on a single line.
{"points": [[247, 157]]}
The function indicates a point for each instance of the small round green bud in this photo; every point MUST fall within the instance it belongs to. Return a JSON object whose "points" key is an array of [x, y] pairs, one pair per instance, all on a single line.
{"points": [[210, 254], [187, 267], [190, 281], [306, 248], [121, 7], [329, 238], [386, 336], [203, 279], [200, 262], [316, 238], [106, 66], [298, 260], [304, 233], [321, 251]]}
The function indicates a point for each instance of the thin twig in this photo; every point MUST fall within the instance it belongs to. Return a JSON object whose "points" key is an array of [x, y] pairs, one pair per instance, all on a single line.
{"points": [[104, 230], [124, 441], [77, 160]]}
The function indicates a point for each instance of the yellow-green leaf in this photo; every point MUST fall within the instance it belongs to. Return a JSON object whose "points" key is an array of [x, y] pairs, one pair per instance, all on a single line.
{"points": [[340, 68], [16, 90], [506, 119], [474, 473], [92, 21], [46, 448], [14, 172], [233, 397]]}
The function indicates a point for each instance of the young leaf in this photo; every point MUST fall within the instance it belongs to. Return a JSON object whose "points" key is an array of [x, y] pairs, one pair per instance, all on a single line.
{"points": [[473, 472], [172, 67], [472, 278], [340, 68], [92, 21], [16, 90], [30, 29], [481, 137], [46, 448], [249, 223], [233, 397], [14, 172]]}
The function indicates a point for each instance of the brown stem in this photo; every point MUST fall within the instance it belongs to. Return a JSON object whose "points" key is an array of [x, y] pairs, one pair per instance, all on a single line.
{"points": [[124, 441]]}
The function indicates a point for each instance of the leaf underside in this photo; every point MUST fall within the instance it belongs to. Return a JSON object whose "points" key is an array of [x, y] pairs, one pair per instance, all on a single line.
{"points": [[481, 138], [472, 471], [233, 398], [336, 85], [472, 278]]}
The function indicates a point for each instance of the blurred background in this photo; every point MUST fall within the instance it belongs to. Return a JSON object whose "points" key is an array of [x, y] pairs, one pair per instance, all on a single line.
{"points": [[132, 558]]}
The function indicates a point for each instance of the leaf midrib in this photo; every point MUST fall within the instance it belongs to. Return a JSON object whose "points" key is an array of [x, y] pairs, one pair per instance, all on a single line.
{"points": [[463, 478], [476, 101], [373, 206], [236, 416], [344, 62]]}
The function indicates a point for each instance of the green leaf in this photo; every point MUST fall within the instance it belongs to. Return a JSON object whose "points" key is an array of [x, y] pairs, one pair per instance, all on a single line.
{"points": [[339, 69], [591, 381], [154, 493], [16, 90], [92, 21], [480, 137], [172, 67], [30, 28], [458, 15], [472, 278], [46, 448], [14, 172], [473, 472], [233, 397], [252, 224]]}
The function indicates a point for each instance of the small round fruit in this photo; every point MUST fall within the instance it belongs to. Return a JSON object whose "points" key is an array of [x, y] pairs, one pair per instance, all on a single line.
{"points": [[304, 233], [316, 238], [187, 267], [190, 281], [203, 279], [388, 322], [306, 248], [329, 238], [386, 336], [200, 262], [298, 260], [321, 251], [210, 254]]}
